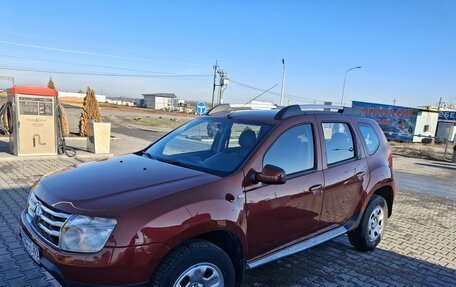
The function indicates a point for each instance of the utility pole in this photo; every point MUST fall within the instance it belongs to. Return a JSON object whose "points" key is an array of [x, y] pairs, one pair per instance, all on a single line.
{"points": [[221, 74], [394, 102], [283, 82], [213, 84], [224, 81], [440, 103]]}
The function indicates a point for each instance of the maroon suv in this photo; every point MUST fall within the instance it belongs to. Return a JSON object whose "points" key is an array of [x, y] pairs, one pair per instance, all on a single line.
{"points": [[198, 208]]}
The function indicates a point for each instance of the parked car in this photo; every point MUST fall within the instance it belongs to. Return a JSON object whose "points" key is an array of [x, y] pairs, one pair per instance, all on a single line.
{"points": [[193, 210]]}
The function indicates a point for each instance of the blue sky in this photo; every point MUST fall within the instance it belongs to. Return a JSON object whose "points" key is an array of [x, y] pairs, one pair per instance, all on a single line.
{"points": [[407, 49]]}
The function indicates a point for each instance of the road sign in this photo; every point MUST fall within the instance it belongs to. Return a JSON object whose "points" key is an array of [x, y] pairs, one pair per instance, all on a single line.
{"points": [[201, 108]]}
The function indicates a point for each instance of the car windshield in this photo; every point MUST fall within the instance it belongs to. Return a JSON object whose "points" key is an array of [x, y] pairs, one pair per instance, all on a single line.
{"points": [[213, 145]]}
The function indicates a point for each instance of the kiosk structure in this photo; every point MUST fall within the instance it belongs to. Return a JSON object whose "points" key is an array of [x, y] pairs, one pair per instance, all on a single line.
{"points": [[34, 120]]}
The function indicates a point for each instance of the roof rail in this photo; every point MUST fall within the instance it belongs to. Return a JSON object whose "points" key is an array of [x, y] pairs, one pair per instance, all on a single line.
{"points": [[295, 110], [223, 108]]}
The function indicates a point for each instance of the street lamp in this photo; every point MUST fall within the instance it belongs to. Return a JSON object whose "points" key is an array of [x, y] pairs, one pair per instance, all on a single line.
{"points": [[345, 78]]}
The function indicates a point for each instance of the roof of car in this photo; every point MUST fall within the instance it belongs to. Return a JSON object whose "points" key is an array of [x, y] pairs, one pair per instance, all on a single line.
{"points": [[280, 114]]}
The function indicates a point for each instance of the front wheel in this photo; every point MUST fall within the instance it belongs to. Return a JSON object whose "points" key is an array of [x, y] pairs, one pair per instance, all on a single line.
{"points": [[197, 263], [373, 223]]}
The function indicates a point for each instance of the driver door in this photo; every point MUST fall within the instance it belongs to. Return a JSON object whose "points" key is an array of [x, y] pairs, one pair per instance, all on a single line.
{"points": [[280, 213]]}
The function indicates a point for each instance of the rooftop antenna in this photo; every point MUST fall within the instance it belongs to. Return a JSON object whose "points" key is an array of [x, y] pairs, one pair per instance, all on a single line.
{"points": [[262, 93]]}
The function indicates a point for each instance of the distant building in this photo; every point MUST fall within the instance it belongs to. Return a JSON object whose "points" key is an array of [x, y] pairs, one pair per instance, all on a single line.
{"points": [[160, 101], [256, 105], [446, 128], [426, 124], [100, 98]]}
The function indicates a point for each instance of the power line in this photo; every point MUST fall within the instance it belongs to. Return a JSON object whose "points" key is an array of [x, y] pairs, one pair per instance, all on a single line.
{"points": [[47, 39], [103, 74], [277, 94], [89, 53], [264, 92], [73, 63]]}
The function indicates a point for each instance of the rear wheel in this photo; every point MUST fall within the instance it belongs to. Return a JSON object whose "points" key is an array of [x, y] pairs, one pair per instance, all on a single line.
{"points": [[197, 263], [373, 223]]}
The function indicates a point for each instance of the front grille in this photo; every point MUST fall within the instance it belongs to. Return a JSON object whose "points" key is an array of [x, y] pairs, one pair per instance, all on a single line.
{"points": [[46, 220]]}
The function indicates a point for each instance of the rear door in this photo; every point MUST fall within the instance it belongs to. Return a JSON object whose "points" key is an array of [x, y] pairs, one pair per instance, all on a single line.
{"points": [[345, 171], [277, 214]]}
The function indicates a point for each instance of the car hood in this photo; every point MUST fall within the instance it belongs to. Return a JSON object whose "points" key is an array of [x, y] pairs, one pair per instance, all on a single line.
{"points": [[104, 188]]}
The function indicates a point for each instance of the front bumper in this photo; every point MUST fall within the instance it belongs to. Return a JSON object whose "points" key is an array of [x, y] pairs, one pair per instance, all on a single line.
{"points": [[129, 266]]}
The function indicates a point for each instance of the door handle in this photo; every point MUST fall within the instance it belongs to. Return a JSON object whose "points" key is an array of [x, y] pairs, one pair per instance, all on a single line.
{"points": [[360, 175], [316, 189]]}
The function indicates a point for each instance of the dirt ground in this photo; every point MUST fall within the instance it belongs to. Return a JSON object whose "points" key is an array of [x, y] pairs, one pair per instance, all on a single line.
{"points": [[77, 102], [161, 122], [420, 150]]}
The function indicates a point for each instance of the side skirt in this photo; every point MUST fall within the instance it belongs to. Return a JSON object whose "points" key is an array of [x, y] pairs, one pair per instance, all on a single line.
{"points": [[298, 247]]}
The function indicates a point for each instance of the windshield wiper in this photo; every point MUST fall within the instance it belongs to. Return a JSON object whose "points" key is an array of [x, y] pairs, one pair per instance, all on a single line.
{"points": [[148, 155], [173, 162]]}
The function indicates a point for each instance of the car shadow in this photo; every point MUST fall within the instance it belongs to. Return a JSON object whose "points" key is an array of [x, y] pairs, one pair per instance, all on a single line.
{"points": [[5, 145], [448, 166], [337, 263]]}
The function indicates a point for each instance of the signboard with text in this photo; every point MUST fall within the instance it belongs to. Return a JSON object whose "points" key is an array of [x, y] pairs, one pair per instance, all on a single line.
{"points": [[449, 116], [398, 123]]}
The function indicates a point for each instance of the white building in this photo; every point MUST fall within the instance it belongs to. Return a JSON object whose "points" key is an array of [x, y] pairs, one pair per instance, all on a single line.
{"points": [[446, 129], [160, 101], [100, 98], [426, 124], [255, 105]]}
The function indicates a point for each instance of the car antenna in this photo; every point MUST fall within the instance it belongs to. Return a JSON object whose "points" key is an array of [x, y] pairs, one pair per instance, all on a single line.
{"points": [[262, 93]]}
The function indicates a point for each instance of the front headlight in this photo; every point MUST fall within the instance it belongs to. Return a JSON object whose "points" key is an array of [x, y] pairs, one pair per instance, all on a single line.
{"points": [[86, 234]]}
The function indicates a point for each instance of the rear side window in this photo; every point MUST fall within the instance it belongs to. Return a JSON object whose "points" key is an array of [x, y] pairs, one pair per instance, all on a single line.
{"points": [[370, 138], [293, 151], [338, 142]]}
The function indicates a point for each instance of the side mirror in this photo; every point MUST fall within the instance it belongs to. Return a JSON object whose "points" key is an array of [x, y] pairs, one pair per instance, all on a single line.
{"points": [[270, 175]]}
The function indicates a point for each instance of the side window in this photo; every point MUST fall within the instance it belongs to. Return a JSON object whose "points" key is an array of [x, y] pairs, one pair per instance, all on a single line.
{"points": [[370, 138], [338, 142], [293, 151]]}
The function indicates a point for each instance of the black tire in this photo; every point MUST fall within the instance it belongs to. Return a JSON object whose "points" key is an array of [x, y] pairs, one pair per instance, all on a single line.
{"points": [[189, 254], [360, 237]]}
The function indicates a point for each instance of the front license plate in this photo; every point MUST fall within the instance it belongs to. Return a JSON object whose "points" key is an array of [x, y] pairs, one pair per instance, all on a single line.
{"points": [[32, 249]]}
